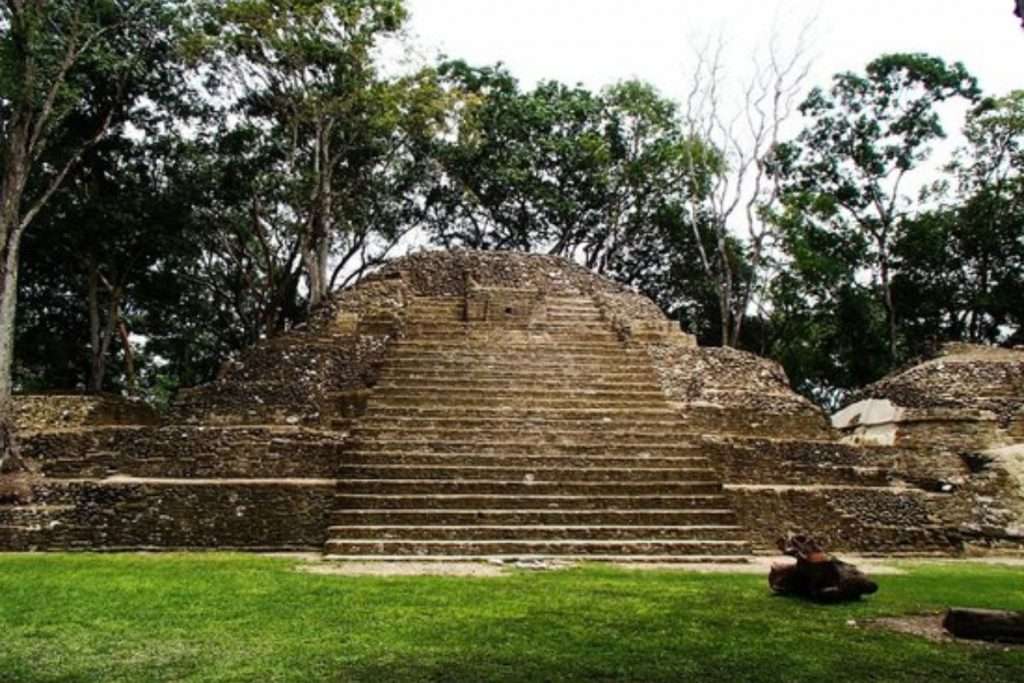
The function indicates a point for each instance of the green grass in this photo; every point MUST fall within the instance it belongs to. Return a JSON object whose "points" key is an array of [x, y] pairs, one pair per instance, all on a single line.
{"points": [[241, 618]]}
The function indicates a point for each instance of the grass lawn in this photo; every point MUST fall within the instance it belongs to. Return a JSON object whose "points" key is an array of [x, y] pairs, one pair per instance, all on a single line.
{"points": [[226, 617]]}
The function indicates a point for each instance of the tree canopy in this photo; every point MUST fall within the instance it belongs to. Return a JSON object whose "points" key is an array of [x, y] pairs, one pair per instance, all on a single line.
{"points": [[181, 180]]}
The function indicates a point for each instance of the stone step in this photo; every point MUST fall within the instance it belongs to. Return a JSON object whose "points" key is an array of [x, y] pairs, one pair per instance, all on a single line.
{"points": [[506, 447], [526, 517], [463, 395], [637, 387], [571, 306], [556, 415], [571, 317], [438, 487], [512, 560], [537, 330], [589, 466], [420, 308], [517, 355], [519, 376], [611, 439], [436, 314], [363, 501], [409, 547], [511, 343], [536, 532], [535, 474], [500, 336], [486, 333], [641, 422], [571, 366], [578, 402], [538, 323]]}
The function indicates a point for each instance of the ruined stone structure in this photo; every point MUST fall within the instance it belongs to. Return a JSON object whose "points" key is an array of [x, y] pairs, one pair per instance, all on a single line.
{"points": [[965, 406], [967, 397], [471, 404]]}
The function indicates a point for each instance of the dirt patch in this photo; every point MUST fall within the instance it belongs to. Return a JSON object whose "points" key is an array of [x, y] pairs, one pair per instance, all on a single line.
{"points": [[474, 569], [761, 565], [929, 627]]}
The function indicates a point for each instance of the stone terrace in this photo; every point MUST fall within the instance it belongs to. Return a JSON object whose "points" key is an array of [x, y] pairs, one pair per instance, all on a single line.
{"points": [[475, 404]]}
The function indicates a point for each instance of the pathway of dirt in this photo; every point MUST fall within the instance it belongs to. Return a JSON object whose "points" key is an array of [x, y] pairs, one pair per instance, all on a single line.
{"points": [[929, 627], [314, 564]]}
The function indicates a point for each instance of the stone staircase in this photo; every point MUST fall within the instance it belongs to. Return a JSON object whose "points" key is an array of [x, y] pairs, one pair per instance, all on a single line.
{"points": [[519, 438]]}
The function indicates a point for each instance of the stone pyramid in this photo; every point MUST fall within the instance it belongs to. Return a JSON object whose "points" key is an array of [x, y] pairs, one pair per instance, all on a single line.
{"points": [[477, 404]]}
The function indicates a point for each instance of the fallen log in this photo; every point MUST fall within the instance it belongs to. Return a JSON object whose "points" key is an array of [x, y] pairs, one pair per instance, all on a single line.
{"points": [[985, 624], [816, 575]]}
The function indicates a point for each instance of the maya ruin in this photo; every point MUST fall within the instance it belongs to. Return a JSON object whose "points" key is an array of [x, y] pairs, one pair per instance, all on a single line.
{"points": [[478, 404]]}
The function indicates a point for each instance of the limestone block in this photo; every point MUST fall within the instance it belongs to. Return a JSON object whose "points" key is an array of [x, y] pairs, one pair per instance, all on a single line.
{"points": [[346, 324], [500, 305]]}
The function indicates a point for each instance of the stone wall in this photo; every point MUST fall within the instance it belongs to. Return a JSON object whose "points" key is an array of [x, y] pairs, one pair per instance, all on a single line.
{"points": [[167, 514], [60, 411], [854, 499], [882, 521], [723, 390], [307, 375], [454, 273], [250, 461], [185, 452]]}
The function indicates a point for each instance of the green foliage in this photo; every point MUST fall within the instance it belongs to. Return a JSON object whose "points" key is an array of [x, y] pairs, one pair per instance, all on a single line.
{"points": [[344, 145], [257, 157], [230, 617], [597, 176], [962, 263], [844, 221]]}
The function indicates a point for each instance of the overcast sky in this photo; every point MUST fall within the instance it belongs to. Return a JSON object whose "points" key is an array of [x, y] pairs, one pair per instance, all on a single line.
{"points": [[598, 42]]}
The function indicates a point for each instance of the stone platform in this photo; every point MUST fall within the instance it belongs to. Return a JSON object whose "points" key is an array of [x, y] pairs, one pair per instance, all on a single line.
{"points": [[474, 405]]}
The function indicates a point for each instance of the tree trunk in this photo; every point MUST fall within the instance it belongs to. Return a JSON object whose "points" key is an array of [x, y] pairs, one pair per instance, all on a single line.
{"points": [[101, 332], [15, 172], [129, 353], [890, 307], [10, 236], [97, 358]]}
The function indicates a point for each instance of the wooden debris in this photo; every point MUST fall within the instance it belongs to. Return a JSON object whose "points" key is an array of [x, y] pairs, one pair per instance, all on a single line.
{"points": [[985, 624]]}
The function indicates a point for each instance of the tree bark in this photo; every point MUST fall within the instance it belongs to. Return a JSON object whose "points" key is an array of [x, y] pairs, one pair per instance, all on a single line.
{"points": [[97, 359], [10, 238], [887, 299], [129, 353]]}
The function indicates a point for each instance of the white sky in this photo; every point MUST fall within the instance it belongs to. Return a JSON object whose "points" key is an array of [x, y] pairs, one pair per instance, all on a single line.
{"points": [[599, 42]]}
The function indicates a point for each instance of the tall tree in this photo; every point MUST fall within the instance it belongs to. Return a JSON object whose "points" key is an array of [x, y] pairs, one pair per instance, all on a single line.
{"points": [[514, 172], [557, 169], [302, 79], [961, 263], [865, 136], [740, 192], [58, 58]]}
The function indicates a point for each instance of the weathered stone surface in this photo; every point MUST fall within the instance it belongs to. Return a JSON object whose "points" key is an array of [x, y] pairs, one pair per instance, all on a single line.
{"points": [[473, 403], [167, 514], [185, 452], [962, 409], [62, 411], [967, 397]]}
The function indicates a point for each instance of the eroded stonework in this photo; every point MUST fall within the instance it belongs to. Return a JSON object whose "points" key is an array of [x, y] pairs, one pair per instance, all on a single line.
{"points": [[481, 404], [965, 406]]}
